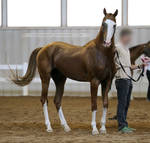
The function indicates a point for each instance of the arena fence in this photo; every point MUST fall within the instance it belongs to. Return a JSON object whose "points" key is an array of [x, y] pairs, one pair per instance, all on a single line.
{"points": [[73, 88], [22, 67]]}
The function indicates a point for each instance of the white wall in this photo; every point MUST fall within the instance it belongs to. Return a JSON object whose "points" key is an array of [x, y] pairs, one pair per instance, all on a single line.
{"points": [[16, 45]]}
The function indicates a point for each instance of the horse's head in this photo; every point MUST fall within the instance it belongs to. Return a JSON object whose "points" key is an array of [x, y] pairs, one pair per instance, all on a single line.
{"points": [[147, 49], [108, 27]]}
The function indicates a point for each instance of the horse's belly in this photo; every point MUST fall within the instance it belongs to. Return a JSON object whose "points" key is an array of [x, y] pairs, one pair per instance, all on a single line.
{"points": [[72, 70], [78, 78]]}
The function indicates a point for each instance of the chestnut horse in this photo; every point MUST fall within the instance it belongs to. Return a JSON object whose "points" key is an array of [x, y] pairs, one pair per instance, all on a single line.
{"points": [[93, 62]]}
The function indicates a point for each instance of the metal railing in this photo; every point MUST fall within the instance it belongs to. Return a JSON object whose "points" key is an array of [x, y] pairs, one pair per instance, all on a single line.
{"points": [[71, 85]]}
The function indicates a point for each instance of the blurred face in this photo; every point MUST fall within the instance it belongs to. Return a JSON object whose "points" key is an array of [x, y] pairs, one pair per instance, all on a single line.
{"points": [[126, 39]]}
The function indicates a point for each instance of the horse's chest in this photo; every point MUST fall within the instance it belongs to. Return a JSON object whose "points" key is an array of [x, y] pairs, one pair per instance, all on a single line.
{"points": [[105, 69]]}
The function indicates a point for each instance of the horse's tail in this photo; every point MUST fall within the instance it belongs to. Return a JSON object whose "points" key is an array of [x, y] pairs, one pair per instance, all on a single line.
{"points": [[30, 73]]}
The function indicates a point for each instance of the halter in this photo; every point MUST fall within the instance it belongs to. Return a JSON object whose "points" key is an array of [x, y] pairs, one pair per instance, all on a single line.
{"points": [[135, 80]]}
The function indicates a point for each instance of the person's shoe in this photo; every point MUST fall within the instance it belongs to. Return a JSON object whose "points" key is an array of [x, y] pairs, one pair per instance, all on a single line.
{"points": [[132, 129], [113, 118], [126, 130]]}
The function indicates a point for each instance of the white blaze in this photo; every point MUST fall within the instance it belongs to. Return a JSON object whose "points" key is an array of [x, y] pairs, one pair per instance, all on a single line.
{"points": [[110, 30]]}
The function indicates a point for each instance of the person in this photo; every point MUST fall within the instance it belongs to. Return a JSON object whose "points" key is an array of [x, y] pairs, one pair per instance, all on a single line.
{"points": [[146, 60], [123, 82]]}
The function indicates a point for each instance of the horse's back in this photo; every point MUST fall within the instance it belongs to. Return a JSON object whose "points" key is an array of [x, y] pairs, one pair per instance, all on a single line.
{"points": [[62, 45]]}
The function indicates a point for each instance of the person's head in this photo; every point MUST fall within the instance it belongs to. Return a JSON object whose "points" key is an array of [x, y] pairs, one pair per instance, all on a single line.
{"points": [[125, 36]]}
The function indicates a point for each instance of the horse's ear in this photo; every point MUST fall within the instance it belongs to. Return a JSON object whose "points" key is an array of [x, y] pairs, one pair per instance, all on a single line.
{"points": [[105, 12], [116, 13]]}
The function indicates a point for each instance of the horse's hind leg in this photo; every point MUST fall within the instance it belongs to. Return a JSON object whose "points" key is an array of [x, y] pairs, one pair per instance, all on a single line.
{"points": [[60, 80], [44, 101], [44, 71]]}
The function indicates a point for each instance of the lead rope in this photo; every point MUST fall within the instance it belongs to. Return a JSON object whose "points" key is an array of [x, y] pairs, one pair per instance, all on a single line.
{"points": [[135, 80]]}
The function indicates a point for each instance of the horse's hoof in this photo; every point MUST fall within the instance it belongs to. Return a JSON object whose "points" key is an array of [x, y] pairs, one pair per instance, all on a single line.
{"points": [[95, 132], [102, 131], [66, 128], [49, 130]]}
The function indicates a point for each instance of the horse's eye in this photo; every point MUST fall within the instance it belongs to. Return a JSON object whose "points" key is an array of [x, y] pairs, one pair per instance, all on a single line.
{"points": [[114, 26]]}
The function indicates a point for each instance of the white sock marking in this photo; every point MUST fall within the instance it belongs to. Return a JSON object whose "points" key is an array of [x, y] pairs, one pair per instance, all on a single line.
{"points": [[61, 117], [103, 120], [63, 120], [93, 123], [47, 121]]}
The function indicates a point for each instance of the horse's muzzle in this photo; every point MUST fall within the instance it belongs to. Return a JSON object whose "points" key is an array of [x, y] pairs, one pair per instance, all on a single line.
{"points": [[107, 44]]}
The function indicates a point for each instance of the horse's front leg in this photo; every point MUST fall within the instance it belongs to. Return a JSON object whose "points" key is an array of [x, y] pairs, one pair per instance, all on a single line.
{"points": [[105, 90], [94, 87]]}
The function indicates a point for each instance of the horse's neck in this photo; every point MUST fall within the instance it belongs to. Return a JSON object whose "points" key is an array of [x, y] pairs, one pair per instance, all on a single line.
{"points": [[99, 38], [136, 53]]}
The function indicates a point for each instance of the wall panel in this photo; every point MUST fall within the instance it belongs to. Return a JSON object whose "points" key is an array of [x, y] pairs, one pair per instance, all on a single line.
{"points": [[16, 45]]}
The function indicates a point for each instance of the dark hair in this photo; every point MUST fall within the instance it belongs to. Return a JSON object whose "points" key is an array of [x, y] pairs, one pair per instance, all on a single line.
{"points": [[125, 32]]}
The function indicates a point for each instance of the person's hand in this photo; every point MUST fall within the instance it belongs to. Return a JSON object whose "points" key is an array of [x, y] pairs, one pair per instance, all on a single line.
{"points": [[142, 65], [145, 59]]}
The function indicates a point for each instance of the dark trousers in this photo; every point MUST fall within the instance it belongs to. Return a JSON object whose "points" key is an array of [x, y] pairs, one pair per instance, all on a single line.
{"points": [[124, 89], [148, 91]]}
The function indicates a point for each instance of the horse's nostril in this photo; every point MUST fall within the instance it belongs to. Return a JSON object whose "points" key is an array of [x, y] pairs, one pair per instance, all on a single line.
{"points": [[105, 42]]}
